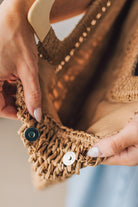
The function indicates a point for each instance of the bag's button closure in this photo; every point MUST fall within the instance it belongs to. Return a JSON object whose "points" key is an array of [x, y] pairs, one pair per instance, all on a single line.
{"points": [[31, 134], [69, 158]]}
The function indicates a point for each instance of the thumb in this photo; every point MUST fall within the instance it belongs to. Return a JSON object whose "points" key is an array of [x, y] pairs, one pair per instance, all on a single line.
{"points": [[115, 144], [32, 92]]}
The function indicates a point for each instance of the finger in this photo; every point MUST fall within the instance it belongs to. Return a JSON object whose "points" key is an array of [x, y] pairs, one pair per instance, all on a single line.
{"points": [[9, 89], [115, 144], [1, 85], [128, 157], [9, 113], [32, 92], [12, 79], [7, 107]]}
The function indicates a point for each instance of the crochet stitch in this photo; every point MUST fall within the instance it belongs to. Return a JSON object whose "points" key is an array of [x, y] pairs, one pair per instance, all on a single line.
{"points": [[66, 71]]}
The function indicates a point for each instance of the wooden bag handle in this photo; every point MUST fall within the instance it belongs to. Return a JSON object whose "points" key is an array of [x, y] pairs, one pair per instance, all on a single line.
{"points": [[39, 17]]}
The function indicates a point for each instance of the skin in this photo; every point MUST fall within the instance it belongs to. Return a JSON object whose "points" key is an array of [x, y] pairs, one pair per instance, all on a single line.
{"points": [[122, 148], [64, 9], [18, 36], [18, 59]]}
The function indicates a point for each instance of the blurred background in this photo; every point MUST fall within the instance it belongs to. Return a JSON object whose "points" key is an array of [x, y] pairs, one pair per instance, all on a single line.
{"points": [[16, 188]]}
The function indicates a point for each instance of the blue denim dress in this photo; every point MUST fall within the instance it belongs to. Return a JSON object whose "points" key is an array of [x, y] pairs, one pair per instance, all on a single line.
{"points": [[104, 186]]}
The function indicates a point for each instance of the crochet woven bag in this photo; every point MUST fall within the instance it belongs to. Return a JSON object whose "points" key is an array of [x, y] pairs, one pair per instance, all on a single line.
{"points": [[89, 89]]}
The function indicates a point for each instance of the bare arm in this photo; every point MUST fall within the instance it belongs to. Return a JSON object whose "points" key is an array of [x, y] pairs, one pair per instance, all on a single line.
{"points": [[64, 9]]}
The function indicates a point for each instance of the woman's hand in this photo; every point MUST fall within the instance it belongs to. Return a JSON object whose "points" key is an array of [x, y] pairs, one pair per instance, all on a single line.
{"points": [[122, 148], [18, 57], [18, 52]]}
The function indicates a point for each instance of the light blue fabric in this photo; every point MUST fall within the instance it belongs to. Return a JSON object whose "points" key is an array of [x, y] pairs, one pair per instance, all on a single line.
{"points": [[104, 186]]}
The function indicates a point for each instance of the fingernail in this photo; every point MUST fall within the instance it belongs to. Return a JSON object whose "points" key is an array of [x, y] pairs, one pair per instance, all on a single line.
{"points": [[94, 152], [38, 114]]}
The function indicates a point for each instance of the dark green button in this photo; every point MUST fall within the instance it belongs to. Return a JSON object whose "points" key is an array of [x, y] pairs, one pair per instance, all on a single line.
{"points": [[31, 134]]}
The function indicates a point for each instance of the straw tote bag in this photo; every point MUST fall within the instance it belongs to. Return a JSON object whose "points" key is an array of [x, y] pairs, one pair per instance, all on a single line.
{"points": [[89, 84]]}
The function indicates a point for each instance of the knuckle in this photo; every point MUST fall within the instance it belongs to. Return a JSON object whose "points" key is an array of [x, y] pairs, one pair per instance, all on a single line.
{"points": [[35, 96], [34, 92], [116, 147]]}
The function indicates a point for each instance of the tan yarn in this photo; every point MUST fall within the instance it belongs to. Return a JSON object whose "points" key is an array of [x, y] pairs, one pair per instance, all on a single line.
{"points": [[55, 140], [78, 56], [63, 50], [125, 88]]}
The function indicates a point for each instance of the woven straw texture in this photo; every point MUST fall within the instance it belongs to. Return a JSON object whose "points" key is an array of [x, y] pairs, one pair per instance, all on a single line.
{"points": [[66, 68]]}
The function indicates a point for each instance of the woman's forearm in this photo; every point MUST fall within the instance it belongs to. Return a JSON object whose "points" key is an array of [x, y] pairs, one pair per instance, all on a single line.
{"points": [[62, 9]]}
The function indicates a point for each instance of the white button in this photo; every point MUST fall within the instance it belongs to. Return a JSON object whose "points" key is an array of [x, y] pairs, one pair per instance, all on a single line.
{"points": [[69, 158]]}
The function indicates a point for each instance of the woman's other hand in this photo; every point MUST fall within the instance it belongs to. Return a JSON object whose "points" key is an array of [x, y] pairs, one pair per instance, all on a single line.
{"points": [[120, 149], [18, 55]]}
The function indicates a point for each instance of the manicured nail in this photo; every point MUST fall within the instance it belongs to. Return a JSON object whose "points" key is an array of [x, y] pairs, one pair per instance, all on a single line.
{"points": [[94, 152], [38, 114]]}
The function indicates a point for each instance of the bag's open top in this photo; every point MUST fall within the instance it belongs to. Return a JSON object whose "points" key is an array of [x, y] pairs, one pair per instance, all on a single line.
{"points": [[88, 83]]}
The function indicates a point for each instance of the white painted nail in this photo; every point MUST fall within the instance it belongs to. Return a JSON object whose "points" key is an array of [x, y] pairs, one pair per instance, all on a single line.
{"points": [[38, 114], [94, 152]]}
